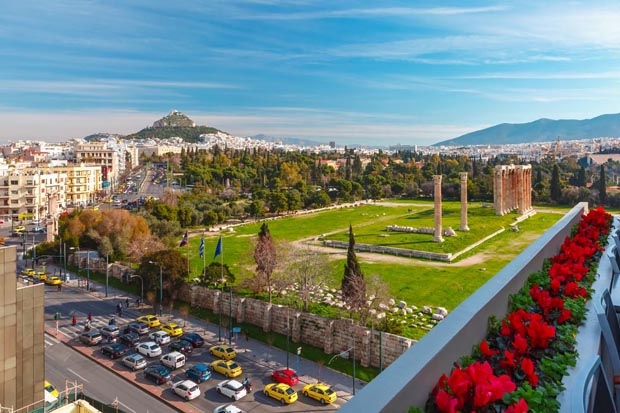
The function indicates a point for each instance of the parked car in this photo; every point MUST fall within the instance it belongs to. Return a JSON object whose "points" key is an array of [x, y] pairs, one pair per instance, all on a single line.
{"points": [[160, 337], [231, 388], [286, 376], [223, 352], [321, 392], [29, 272], [226, 367], [150, 320], [199, 373], [173, 329], [134, 362], [110, 330], [228, 409], [129, 339], [186, 389], [194, 338], [158, 374], [281, 392], [149, 349], [91, 337], [173, 360], [183, 346], [137, 327], [114, 350]]}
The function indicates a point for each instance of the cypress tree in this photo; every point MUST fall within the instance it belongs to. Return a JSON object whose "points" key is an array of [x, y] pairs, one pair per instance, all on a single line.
{"points": [[581, 178], [353, 285], [602, 187], [555, 190]]}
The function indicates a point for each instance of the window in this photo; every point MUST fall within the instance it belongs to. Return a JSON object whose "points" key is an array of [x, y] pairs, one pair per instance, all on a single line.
{"points": [[14, 183]]}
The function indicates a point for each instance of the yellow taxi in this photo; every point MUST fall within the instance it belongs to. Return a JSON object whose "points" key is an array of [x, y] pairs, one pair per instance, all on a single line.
{"points": [[227, 367], [150, 320], [51, 389], [173, 329], [223, 351], [29, 272], [281, 392], [19, 228], [41, 277], [53, 280], [321, 392]]}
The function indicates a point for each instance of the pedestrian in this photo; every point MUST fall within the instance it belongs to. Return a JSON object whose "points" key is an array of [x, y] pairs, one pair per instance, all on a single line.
{"points": [[127, 302], [90, 317], [74, 320], [59, 287]]}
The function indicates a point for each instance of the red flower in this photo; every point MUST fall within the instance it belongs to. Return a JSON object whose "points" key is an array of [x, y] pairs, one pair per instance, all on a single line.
{"points": [[528, 368], [539, 332], [508, 362], [520, 344], [445, 402], [484, 349], [518, 407]]}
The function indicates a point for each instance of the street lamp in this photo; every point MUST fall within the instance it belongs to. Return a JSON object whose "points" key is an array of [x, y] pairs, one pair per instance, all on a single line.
{"points": [[141, 288], [107, 267], [161, 286], [343, 354], [78, 260]]}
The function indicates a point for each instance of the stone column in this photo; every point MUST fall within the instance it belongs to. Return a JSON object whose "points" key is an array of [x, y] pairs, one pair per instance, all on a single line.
{"points": [[520, 190], [464, 226], [437, 192], [498, 190]]}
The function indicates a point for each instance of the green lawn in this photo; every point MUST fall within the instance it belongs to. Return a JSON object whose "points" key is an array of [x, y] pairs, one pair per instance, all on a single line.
{"points": [[415, 281]]}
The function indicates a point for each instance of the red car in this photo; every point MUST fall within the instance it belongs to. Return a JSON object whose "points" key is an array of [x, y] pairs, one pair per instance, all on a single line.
{"points": [[286, 376]]}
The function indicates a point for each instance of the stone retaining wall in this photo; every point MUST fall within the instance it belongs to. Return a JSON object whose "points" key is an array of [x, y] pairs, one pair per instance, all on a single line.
{"points": [[333, 336], [390, 250]]}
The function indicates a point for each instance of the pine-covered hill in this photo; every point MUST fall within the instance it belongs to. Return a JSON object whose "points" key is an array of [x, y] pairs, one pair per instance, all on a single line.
{"points": [[188, 134]]}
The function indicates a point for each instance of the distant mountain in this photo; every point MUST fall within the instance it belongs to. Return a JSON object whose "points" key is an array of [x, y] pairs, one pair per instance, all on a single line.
{"points": [[175, 124], [540, 130], [286, 141]]}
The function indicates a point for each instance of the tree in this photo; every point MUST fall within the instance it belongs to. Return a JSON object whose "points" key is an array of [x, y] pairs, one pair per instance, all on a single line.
{"points": [[172, 265], [602, 187], [555, 189], [581, 179], [305, 269], [353, 285], [265, 257], [215, 275]]}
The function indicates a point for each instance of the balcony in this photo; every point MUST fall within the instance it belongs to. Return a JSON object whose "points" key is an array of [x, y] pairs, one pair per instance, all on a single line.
{"points": [[408, 381]]}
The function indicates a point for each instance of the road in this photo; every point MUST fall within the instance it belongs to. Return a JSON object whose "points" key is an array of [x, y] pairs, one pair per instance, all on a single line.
{"points": [[73, 301], [63, 363]]}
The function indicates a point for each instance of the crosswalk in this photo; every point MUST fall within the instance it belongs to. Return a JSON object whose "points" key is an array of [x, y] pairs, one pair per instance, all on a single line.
{"points": [[66, 326]]}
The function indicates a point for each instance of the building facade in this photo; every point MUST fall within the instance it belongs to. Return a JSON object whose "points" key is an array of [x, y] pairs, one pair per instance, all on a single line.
{"points": [[22, 357]]}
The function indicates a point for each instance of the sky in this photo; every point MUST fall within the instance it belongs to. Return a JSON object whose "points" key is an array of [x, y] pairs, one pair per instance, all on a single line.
{"points": [[355, 72]]}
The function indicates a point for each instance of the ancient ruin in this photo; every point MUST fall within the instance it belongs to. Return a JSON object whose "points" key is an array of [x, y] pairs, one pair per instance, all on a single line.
{"points": [[512, 189]]}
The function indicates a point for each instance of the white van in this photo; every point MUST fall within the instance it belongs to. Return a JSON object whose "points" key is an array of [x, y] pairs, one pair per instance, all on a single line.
{"points": [[173, 360]]}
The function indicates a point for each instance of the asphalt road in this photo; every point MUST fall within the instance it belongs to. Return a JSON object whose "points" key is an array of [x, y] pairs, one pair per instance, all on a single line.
{"points": [[63, 363], [72, 301]]}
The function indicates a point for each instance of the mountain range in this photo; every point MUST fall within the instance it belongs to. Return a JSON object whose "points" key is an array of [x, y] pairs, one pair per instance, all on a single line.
{"points": [[541, 130]]}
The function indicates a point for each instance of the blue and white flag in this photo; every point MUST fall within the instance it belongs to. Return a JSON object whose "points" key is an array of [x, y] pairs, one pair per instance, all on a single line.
{"points": [[201, 248], [218, 248], [184, 241]]}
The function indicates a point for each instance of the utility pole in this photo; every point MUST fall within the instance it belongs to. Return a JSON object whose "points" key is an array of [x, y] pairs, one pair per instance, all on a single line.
{"points": [[106, 273]]}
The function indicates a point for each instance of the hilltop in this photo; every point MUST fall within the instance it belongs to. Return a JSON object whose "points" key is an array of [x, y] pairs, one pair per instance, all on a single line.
{"points": [[541, 130], [175, 124]]}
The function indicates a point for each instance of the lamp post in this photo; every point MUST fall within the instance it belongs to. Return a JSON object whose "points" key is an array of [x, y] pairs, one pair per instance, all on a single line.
{"points": [[230, 323], [161, 287], [78, 260], [107, 267], [141, 287], [343, 356]]}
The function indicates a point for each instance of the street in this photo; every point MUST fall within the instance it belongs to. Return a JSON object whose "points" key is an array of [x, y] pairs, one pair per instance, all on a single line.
{"points": [[256, 366]]}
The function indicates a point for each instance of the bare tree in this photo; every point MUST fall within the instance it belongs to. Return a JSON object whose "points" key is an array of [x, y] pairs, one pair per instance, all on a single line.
{"points": [[265, 257], [377, 292], [306, 270]]}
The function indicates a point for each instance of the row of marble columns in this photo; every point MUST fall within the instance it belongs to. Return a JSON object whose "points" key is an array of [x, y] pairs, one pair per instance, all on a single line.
{"points": [[438, 236], [512, 189]]}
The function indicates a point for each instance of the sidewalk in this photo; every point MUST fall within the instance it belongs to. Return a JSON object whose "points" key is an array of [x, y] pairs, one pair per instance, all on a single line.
{"points": [[251, 349]]}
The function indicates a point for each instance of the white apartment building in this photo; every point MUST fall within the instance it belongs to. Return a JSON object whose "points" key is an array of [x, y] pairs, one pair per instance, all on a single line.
{"points": [[31, 193], [98, 153], [83, 182]]}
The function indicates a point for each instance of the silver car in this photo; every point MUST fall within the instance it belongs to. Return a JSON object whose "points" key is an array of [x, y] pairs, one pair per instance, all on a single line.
{"points": [[91, 337], [135, 362]]}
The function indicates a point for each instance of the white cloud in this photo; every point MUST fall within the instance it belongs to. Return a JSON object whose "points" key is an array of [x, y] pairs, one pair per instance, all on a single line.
{"points": [[317, 124]]}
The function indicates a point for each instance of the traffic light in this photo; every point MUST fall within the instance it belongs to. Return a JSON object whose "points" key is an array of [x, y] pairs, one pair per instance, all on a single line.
{"points": [[57, 316]]}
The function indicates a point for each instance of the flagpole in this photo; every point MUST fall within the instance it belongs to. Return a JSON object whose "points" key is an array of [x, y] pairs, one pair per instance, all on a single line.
{"points": [[204, 256]]}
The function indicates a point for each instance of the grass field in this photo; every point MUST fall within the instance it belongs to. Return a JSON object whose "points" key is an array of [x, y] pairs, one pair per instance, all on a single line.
{"points": [[418, 282]]}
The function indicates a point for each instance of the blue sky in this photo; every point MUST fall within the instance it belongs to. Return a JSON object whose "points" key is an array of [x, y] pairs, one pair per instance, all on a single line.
{"points": [[351, 71]]}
